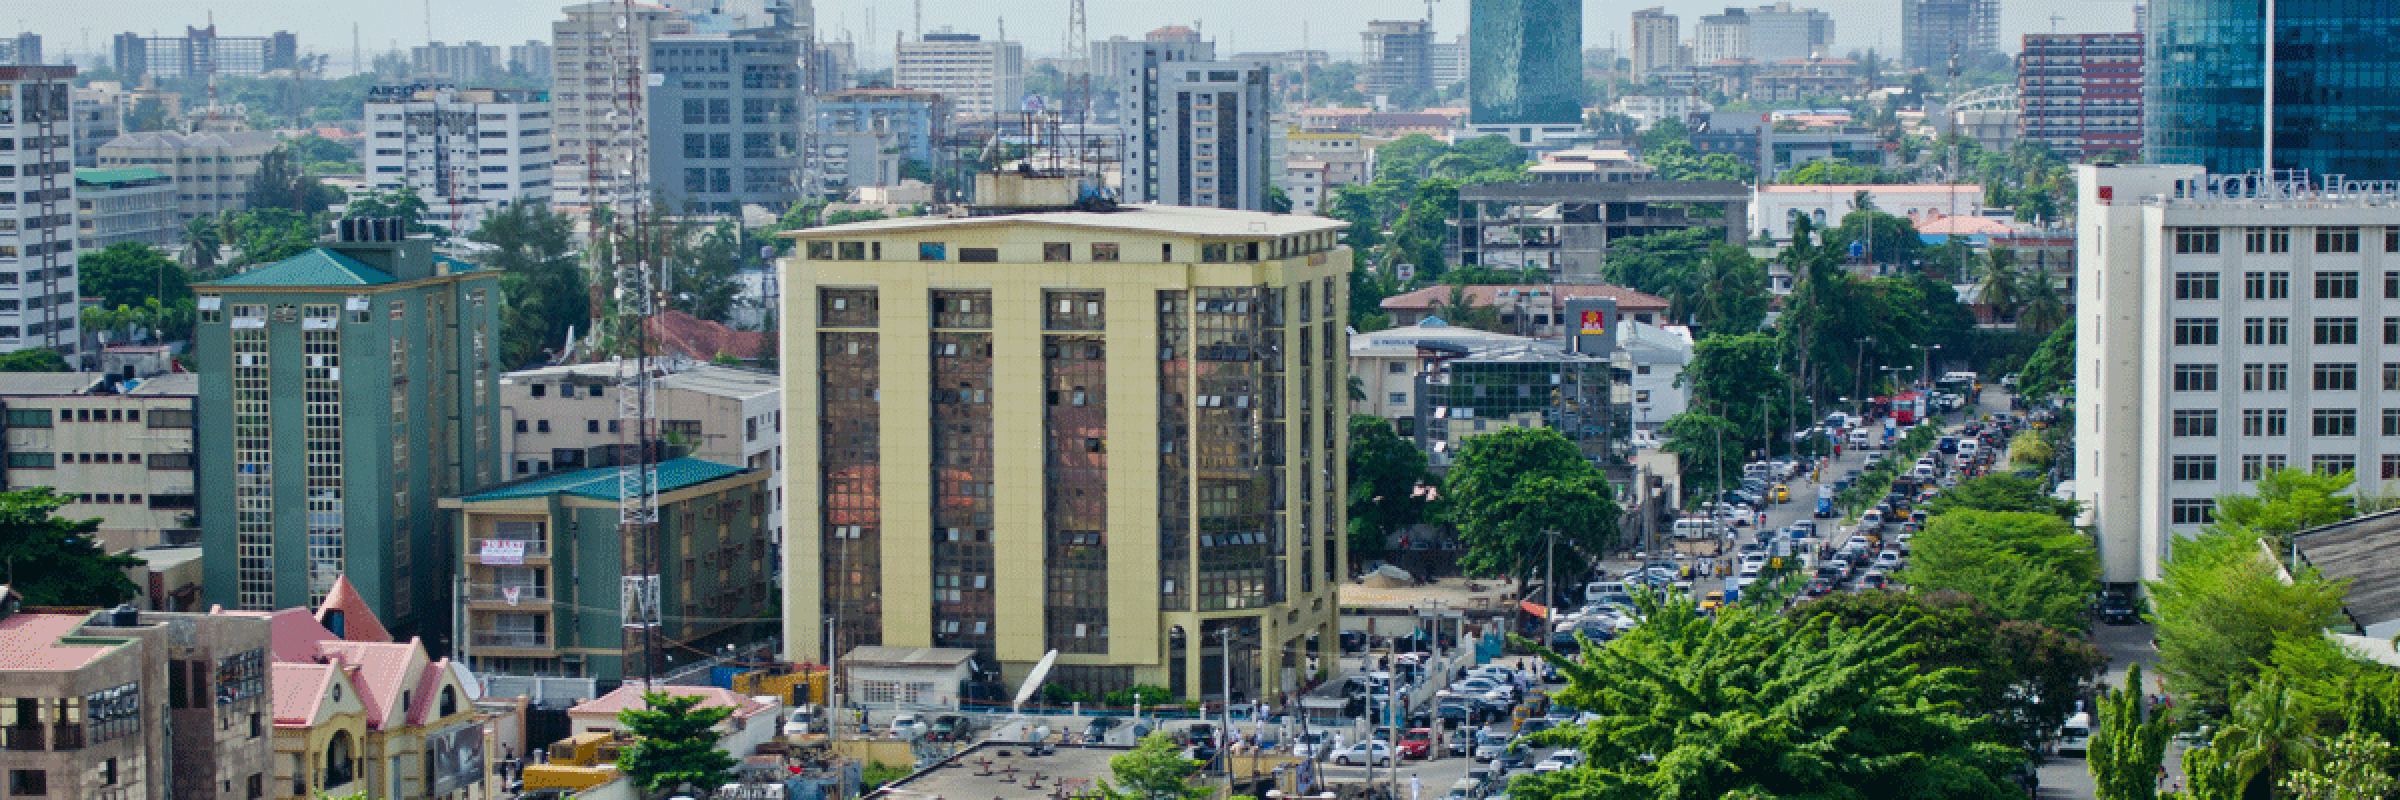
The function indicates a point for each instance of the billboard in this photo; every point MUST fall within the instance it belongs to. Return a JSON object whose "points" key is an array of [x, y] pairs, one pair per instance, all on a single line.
{"points": [[454, 758], [1593, 323], [1595, 331]]}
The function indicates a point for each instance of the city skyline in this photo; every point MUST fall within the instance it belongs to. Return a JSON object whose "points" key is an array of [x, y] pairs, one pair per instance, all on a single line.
{"points": [[1237, 25]]}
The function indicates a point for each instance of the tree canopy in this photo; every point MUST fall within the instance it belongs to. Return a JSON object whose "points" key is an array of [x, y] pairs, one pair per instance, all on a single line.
{"points": [[52, 561], [2026, 676], [127, 273], [2026, 566], [2220, 608], [2002, 491], [1384, 471], [1155, 769], [533, 247], [2289, 501], [675, 743], [1754, 704], [2052, 368], [1509, 488]]}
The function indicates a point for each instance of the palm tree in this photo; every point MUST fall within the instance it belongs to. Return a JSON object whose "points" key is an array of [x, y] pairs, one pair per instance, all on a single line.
{"points": [[2269, 735], [2002, 286], [1459, 309], [2044, 310]]}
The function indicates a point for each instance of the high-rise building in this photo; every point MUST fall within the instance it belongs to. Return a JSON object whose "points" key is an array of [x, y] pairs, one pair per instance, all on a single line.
{"points": [[865, 136], [201, 53], [343, 392], [136, 705], [212, 171], [1398, 57], [467, 62], [1527, 75], [99, 118], [981, 78], [1450, 62], [1721, 37], [2336, 88], [2233, 328], [1937, 34], [1657, 46], [722, 144], [468, 153], [601, 53], [37, 245], [23, 49], [531, 58], [1124, 435], [2081, 94], [1196, 130], [1780, 33]]}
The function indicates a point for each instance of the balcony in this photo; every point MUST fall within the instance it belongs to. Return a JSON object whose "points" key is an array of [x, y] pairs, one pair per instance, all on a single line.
{"points": [[497, 593], [521, 640], [533, 549], [24, 738]]}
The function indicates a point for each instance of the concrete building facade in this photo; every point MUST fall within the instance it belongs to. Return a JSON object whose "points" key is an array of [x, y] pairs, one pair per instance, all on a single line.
{"points": [[200, 53], [1527, 72], [134, 204], [1397, 57], [37, 211], [122, 454], [211, 171], [2081, 94], [342, 392], [981, 78], [1563, 228], [595, 95], [1934, 33], [721, 141], [467, 153], [866, 135], [1657, 46], [1201, 347], [1197, 132], [2234, 328], [134, 704]]}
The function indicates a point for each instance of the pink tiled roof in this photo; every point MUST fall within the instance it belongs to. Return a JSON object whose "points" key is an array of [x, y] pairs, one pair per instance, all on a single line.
{"points": [[1628, 300], [428, 685], [1964, 225], [292, 634], [299, 689], [630, 696], [29, 643], [678, 333], [358, 619], [383, 674]]}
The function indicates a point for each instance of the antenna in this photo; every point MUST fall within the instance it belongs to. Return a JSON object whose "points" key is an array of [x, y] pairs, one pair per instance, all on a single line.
{"points": [[1079, 59]]}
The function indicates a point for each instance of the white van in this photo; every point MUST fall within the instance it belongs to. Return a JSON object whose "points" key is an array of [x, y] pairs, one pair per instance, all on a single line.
{"points": [[1967, 447], [2076, 735], [1860, 439], [1695, 528]]}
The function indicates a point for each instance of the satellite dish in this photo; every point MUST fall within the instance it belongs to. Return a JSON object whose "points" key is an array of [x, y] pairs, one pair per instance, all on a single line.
{"points": [[1033, 680]]}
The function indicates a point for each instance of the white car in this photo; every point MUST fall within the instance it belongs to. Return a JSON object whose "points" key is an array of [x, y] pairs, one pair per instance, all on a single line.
{"points": [[1888, 560], [907, 725], [1368, 752]]}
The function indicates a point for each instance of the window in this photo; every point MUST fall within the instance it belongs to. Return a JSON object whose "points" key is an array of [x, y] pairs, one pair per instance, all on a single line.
{"points": [[2335, 378], [2195, 377], [2186, 511], [2334, 422], [32, 461], [1398, 368], [2195, 286], [40, 418], [2266, 422], [2333, 463], [2391, 422], [2195, 240], [850, 251], [933, 251], [541, 426], [2196, 331], [28, 782], [2391, 330], [520, 426], [2265, 240], [2279, 377], [1212, 252], [2266, 285], [1058, 251], [1399, 398], [2254, 377], [2337, 285], [172, 461], [2253, 468], [2195, 423], [2391, 286], [2194, 468], [1104, 251], [2337, 330], [979, 255], [2391, 466], [2337, 240], [539, 389]]}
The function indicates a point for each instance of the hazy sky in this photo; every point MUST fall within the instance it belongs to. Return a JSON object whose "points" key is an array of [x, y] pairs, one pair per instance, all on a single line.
{"points": [[1237, 25]]}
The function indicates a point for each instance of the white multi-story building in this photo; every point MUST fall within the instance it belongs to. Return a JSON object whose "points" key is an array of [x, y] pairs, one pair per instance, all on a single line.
{"points": [[1780, 33], [1721, 37], [981, 78], [599, 54], [2228, 329], [1197, 131], [1656, 45], [1773, 206], [466, 152], [37, 210], [1648, 109]]}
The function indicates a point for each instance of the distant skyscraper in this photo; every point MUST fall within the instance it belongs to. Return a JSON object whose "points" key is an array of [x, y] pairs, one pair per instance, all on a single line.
{"points": [[200, 52], [1527, 64], [1399, 57], [1780, 32], [1196, 129], [598, 136], [2082, 93], [39, 309], [2337, 87], [26, 48], [1655, 43], [1932, 32], [980, 77], [708, 159]]}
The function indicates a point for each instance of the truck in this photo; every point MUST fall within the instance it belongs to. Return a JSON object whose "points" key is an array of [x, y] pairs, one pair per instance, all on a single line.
{"points": [[1825, 502]]}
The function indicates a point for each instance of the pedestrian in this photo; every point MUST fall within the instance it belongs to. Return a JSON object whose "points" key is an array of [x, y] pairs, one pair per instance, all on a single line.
{"points": [[1416, 787]]}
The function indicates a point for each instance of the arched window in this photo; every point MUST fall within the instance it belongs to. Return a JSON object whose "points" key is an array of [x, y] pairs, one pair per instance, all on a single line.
{"points": [[340, 761], [449, 700]]}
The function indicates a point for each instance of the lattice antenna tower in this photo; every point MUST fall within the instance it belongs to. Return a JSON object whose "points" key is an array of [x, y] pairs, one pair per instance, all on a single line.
{"points": [[636, 273], [1079, 59]]}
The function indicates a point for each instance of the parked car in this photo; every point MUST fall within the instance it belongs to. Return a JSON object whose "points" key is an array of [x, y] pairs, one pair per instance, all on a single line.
{"points": [[1417, 743], [2117, 609], [907, 725], [1368, 752], [952, 728], [804, 720]]}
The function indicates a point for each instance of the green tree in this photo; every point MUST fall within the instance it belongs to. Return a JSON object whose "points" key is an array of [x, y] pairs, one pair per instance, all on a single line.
{"points": [[1708, 449], [2052, 368], [2127, 749], [202, 236], [52, 561], [1509, 489], [128, 273], [2210, 773], [1750, 703], [1278, 201], [1154, 770], [2027, 566], [1385, 472], [33, 359], [403, 205], [1459, 310], [533, 247], [280, 183], [148, 115], [2220, 607], [675, 743], [1824, 172], [2268, 736], [268, 235], [2289, 501], [2000, 491], [1730, 375], [2026, 677], [2354, 768], [313, 152], [2031, 449], [1728, 292]]}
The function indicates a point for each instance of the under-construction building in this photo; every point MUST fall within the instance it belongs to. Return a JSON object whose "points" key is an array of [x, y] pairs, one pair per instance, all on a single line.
{"points": [[1939, 35], [1398, 58]]}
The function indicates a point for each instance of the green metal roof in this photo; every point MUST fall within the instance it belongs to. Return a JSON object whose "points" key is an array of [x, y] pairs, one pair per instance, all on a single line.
{"points": [[122, 175], [317, 267], [600, 483]]}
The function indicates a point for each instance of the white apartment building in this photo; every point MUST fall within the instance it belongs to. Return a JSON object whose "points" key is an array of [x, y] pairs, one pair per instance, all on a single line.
{"points": [[981, 78], [595, 89], [1648, 109], [1773, 206], [1198, 132], [466, 152], [564, 418], [37, 210], [1657, 46], [1780, 33], [2227, 329], [1721, 37]]}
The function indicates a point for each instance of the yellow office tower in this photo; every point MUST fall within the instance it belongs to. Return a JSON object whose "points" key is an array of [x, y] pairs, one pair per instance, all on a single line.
{"points": [[1114, 434]]}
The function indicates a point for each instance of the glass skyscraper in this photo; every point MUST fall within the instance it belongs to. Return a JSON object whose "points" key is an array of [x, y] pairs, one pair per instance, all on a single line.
{"points": [[1525, 62], [2337, 86]]}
